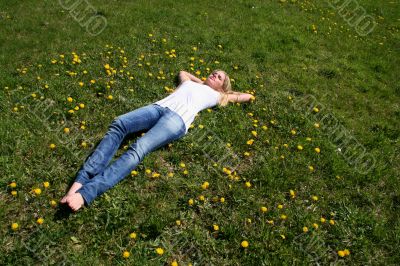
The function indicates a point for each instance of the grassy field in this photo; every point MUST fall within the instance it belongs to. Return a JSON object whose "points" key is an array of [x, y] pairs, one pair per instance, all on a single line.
{"points": [[306, 174]]}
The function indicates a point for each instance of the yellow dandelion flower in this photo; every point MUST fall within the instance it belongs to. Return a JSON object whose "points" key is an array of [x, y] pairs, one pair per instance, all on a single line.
{"points": [[14, 226], [215, 227], [280, 206], [202, 198], [174, 263], [205, 185], [314, 198], [159, 251], [40, 221], [66, 130], [263, 209], [292, 193], [178, 222], [191, 202], [134, 173], [346, 252], [53, 203], [317, 150], [126, 254], [323, 220], [133, 235], [254, 133], [247, 184], [244, 244], [250, 142], [13, 185], [14, 193], [331, 222], [110, 97], [46, 184], [69, 99], [341, 253], [305, 229], [155, 175], [37, 191], [315, 225], [222, 199], [299, 147], [283, 217]]}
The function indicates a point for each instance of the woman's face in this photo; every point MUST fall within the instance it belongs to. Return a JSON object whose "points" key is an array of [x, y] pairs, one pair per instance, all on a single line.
{"points": [[216, 80]]}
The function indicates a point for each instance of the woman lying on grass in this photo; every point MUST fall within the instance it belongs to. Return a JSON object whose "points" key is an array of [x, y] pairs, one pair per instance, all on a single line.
{"points": [[166, 120]]}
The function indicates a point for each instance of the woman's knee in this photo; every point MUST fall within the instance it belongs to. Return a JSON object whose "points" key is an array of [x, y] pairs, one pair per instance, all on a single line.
{"points": [[118, 124]]}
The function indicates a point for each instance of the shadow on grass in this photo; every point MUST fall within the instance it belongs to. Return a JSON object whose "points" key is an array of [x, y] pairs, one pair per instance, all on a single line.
{"points": [[63, 212]]}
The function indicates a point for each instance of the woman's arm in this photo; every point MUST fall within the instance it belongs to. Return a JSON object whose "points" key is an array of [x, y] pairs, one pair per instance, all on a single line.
{"points": [[238, 97], [183, 76]]}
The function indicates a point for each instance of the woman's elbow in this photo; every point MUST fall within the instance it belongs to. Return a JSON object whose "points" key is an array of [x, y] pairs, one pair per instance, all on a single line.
{"points": [[182, 75]]}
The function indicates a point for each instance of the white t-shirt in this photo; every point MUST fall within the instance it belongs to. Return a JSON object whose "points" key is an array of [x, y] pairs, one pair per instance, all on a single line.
{"points": [[190, 98]]}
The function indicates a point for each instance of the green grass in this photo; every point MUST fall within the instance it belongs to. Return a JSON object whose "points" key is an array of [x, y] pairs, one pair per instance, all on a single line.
{"points": [[269, 49]]}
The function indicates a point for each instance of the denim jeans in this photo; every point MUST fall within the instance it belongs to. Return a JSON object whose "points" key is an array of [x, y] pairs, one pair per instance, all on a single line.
{"points": [[97, 176]]}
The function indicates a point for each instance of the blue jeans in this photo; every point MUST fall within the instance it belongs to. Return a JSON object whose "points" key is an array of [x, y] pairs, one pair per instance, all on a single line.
{"points": [[97, 176]]}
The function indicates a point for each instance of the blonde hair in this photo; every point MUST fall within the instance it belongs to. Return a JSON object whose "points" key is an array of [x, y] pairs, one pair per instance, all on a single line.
{"points": [[227, 89]]}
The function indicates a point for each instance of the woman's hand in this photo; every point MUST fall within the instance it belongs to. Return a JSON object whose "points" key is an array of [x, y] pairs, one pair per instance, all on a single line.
{"points": [[183, 76], [238, 97]]}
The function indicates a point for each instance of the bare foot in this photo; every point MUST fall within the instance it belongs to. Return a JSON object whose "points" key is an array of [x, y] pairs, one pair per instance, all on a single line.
{"points": [[75, 201], [75, 186]]}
